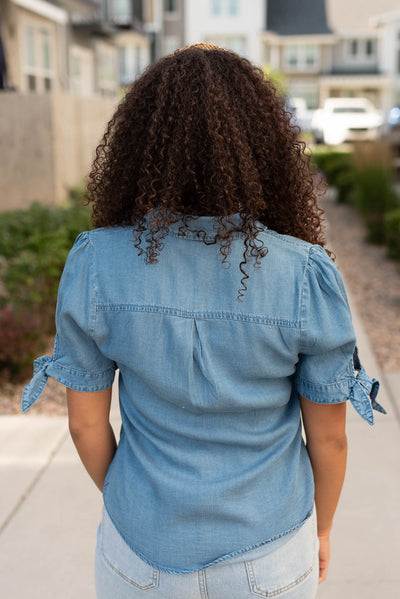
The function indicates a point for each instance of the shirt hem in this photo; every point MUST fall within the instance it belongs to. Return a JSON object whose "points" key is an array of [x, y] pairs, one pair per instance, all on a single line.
{"points": [[217, 561]]}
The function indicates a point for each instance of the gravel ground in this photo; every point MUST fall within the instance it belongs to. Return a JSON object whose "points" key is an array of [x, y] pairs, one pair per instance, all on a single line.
{"points": [[372, 280]]}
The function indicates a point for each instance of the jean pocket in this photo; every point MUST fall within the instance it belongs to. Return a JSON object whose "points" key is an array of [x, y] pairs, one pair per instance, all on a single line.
{"points": [[123, 560], [285, 568]]}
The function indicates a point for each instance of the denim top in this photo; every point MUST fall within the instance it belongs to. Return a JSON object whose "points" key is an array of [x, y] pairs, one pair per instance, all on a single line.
{"points": [[211, 461]]}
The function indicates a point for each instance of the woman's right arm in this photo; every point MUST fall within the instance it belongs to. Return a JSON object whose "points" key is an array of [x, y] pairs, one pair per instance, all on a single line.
{"points": [[326, 442]]}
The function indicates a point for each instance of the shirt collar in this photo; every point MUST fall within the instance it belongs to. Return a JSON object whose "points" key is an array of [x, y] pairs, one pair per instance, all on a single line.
{"points": [[208, 224]]}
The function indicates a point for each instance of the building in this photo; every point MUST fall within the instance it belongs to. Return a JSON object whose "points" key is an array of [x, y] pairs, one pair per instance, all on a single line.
{"points": [[84, 47], [359, 65], [388, 27], [334, 48], [132, 41], [298, 41], [62, 66], [233, 24], [33, 34], [173, 25]]}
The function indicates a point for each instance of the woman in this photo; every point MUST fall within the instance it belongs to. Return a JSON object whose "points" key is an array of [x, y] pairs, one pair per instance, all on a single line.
{"points": [[206, 283]]}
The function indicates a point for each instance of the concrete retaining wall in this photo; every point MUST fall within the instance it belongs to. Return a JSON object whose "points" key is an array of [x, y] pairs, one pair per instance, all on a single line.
{"points": [[47, 144]]}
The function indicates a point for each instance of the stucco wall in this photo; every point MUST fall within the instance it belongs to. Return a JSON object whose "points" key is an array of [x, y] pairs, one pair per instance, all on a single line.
{"points": [[47, 144], [26, 150]]}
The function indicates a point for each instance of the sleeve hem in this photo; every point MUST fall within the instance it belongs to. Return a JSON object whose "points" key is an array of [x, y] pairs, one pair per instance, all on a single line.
{"points": [[73, 379], [81, 381], [325, 394]]}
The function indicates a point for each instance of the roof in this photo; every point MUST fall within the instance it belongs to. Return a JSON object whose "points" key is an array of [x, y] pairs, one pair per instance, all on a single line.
{"points": [[291, 17], [355, 15]]}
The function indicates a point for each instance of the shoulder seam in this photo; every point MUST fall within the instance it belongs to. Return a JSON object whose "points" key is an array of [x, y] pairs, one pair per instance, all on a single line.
{"points": [[300, 243], [302, 318], [93, 286]]}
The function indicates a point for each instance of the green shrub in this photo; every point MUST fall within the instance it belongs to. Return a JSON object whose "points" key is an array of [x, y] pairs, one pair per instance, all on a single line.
{"points": [[34, 245], [21, 341], [338, 170], [392, 233], [373, 196]]}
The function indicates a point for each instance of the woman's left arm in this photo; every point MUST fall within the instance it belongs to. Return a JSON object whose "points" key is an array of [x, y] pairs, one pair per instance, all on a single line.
{"points": [[91, 431]]}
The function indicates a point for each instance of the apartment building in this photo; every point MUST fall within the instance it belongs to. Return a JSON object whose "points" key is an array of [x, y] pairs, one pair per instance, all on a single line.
{"points": [[233, 24], [33, 42], [334, 48], [84, 47], [62, 69]]}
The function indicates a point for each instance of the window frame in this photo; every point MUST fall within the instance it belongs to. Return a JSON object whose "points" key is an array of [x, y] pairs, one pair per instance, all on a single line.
{"points": [[168, 13], [117, 18], [38, 70], [301, 65], [104, 86], [216, 8], [225, 8], [361, 56]]}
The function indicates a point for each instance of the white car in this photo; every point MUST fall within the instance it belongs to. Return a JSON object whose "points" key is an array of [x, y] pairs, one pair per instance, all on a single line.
{"points": [[346, 119]]}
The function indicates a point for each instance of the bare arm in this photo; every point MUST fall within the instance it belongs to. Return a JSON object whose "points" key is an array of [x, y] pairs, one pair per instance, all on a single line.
{"points": [[326, 441], [91, 431]]}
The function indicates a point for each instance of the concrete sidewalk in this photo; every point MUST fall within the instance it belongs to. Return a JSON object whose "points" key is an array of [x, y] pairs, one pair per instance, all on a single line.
{"points": [[50, 509]]}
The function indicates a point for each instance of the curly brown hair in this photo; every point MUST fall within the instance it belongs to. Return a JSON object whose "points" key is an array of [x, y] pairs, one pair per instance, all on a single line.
{"points": [[203, 132]]}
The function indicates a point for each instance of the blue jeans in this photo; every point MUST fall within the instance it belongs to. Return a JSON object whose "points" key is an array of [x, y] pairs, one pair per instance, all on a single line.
{"points": [[289, 572]]}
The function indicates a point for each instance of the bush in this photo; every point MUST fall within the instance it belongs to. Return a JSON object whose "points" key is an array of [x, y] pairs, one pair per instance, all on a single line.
{"points": [[34, 245], [338, 169], [373, 196], [392, 233], [21, 341]]}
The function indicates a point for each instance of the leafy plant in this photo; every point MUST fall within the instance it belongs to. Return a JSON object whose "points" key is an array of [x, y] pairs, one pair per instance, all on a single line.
{"points": [[21, 340], [392, 233], [338, 170], [34, 245], [373, 196]]}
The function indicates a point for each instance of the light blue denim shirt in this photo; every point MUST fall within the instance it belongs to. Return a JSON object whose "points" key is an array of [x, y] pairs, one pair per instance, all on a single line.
{"points": [[211, 461]]}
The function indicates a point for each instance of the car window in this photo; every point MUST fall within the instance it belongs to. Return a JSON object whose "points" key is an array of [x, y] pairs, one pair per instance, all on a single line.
{"points": [[348, 109]]}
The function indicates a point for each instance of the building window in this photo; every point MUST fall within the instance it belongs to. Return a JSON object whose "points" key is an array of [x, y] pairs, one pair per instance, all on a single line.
{"points": [[123, 70], [311, 57], [369, 47], [216, 7], [106, 71], [38, 57], [130, 63], [30, 45], [170, 5], [233, 7], [292, 56], [302, 57], [122, 11], [46, 52], [81, 71], [361, 51], [32, 83], [225, 7]]}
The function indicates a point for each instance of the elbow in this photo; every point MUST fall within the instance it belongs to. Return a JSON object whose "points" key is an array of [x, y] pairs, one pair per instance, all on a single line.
{"points": [[78, 429], [339, 443], [336, 443]]}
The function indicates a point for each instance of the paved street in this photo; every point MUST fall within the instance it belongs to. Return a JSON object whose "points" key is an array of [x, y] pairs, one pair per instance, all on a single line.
{"points": [[50, 509]]}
